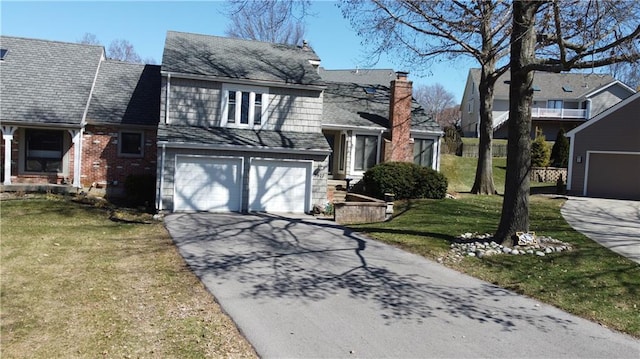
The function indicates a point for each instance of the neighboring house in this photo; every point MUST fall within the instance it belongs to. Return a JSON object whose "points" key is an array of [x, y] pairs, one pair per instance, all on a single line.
{"points": [[367, 123], [605, 153], [71, 117], [560, 100], [240, 126]]}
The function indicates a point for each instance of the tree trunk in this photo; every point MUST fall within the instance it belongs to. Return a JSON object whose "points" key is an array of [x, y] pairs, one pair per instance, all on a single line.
{"points": [[515, 206], [483, 183]]}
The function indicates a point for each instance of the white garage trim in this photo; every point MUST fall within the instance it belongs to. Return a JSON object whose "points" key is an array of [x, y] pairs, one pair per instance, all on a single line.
{"points": [[234, 184], [586, 167], [279, 185]]}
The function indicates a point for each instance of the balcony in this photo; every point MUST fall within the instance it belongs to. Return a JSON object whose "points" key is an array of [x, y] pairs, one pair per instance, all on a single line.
{"points": [[562, 113]]}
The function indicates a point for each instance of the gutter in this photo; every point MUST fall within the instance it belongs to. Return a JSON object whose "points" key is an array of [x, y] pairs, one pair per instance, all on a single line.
{"points": [[223, 147]]}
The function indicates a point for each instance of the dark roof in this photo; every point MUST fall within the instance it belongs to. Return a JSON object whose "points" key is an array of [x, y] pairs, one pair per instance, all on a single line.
{"points": [[359, 76], [126, 93], [239, 59], [553, 86], [362, 105], [246, 138], [46, 81]]}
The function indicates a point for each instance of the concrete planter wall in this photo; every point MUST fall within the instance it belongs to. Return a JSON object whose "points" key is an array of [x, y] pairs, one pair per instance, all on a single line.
{"points": [[361, 209]]}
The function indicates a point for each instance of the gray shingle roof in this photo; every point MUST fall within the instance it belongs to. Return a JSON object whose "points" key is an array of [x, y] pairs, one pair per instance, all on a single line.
{"points": [[239, 59], [359, 76], [348, 104], [126, 93], [46, 81], [243, 138], [551, 84]]}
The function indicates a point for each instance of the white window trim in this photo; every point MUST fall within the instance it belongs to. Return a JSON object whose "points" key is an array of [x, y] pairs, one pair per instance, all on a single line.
{"points": [[131, 155], [352, 166], [224, 101]]}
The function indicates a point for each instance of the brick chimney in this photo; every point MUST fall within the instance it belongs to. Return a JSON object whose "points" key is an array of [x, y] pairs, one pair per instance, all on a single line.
{"points": [[400, 119]]}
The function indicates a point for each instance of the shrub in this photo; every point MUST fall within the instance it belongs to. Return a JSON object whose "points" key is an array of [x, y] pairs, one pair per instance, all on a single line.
{"points": [[540, 151], [560, 150], [140, 189], [405, 180]]}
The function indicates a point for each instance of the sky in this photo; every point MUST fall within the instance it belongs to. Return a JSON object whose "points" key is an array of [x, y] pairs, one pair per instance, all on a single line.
{"points": [[145, 24]]}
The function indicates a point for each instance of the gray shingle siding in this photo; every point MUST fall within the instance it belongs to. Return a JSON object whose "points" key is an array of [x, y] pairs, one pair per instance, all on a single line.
{"points": [[46, 81]]}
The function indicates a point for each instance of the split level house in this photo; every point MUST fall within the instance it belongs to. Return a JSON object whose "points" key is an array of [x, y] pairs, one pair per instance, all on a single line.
{"points": [[560, 101], [223, 124]]}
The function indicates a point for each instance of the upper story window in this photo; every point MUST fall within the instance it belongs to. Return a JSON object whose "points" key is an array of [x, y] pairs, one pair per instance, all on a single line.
{"points": [[554, 104], [244, 106], [131, 144]]}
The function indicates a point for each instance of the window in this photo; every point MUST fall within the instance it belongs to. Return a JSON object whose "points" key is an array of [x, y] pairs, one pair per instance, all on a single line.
{"points": [[470, 106], [554, 104], [423, 152], [131, 144], [44, 151], [243, 106], [366, 152], [3, 53]]}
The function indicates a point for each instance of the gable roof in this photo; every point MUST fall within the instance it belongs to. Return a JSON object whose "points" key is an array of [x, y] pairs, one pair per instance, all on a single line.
{"points": [[126, 93], [555, 86], [46, 81], [367, 106], [229, 58], [626, 102], [359, 76]]}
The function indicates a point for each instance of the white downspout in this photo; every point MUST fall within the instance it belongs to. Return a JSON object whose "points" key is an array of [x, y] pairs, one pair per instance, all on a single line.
{"points": [[166, 101], [379, 158], [161, 186]]}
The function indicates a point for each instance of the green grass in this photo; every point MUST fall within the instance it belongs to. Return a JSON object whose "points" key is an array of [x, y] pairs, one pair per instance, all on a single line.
{"points": [[75, 283], [461, 172], [589, 281]]}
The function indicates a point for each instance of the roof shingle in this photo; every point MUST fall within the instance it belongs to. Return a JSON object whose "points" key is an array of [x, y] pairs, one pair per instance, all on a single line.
{"points": [[239, 59], [126, 93], [46, 81]]}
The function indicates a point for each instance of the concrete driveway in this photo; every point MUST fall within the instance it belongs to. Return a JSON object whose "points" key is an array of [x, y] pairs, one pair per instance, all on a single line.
{"points": [[613, 223], [300, 287]]}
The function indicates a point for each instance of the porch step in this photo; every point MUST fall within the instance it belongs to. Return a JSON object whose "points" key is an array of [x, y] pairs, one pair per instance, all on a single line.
{"points": [[336, 190]]}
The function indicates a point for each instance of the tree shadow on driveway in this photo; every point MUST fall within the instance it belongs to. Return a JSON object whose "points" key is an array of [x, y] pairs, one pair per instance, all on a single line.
{"points": [[275, 257]]}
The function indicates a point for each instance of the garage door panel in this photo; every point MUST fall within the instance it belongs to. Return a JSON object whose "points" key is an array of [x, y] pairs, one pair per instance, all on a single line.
{"points": [[207, 184], [613, 175], [279, 186]]}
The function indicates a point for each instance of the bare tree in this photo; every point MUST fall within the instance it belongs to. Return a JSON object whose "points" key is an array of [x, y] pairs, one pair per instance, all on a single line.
{"points": [[89, 39], [277, 21], [123, 50], [555, 36], [119, 49], [628, 73], [420, 32], [435, 99]]}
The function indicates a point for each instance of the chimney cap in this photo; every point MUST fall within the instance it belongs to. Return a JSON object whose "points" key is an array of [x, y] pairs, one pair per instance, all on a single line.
{"points": [[402, 75]]}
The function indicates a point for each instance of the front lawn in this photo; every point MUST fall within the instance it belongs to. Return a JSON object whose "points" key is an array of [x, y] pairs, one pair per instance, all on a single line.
{"points": [[75, 283], [589, 281]]}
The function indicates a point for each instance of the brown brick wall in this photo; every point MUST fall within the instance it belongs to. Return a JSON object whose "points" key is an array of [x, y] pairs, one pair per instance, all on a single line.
{"points": [[101, 163]]}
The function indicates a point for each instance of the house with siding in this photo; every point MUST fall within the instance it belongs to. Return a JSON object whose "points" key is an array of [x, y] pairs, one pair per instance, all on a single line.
{"points": [[72, 118], [362, 122], [560, 100], [604, 153], [223, 124]]}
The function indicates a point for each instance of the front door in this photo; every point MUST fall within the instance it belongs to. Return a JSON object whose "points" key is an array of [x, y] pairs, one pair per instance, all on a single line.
{"points": [[337, 158]]}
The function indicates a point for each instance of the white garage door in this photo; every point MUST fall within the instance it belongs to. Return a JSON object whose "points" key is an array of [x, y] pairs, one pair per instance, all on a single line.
{"points": [[208, 184], [279, 186]]}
